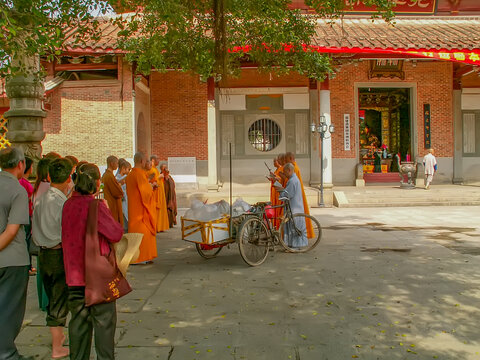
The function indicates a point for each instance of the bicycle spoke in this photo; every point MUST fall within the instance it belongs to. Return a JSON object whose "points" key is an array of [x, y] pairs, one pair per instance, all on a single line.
{"points": [[300, 233], [253, 248]]}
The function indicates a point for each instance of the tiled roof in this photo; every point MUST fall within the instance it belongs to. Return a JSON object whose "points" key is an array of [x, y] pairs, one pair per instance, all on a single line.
{"points": [[449, 33], [106, 44]]}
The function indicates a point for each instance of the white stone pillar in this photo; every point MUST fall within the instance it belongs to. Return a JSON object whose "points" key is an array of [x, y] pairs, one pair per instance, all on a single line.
{"points": [[212, 146], [327, 143], [458, 137], [314, 138]]}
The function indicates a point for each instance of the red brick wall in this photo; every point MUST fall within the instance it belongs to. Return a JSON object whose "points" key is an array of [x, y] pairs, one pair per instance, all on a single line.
{"points": [[91, 119], [179, 115], [434, 86]]}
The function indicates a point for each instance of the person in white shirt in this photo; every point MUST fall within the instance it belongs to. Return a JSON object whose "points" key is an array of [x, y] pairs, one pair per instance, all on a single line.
{"points": [[430, 164], [47, 234]]}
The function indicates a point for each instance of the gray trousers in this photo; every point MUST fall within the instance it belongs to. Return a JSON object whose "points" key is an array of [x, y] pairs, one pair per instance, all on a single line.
{"points": [[13, 298], [101, 320]]}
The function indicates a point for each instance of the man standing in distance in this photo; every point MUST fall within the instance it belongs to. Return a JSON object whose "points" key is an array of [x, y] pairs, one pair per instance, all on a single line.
{"points": [[14, 259], [141, 208], [430, 164]]}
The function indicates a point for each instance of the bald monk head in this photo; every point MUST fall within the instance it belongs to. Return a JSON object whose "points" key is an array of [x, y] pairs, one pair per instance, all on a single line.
{"points": [[281, 159], [289, 157], [275, 162], [154, 160], [148, 165], [112, 162], [139, 160], [288, 170]]}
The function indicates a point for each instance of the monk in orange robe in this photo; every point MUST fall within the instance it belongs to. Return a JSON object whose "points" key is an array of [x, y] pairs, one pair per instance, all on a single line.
{"points": [[274, 195], [170, 195], [290, 158], [155, 177], [141, 209], [282, 179], [112, 191]]}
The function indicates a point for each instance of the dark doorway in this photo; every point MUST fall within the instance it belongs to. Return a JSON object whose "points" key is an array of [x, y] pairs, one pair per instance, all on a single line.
{"points": [[385, 129]]}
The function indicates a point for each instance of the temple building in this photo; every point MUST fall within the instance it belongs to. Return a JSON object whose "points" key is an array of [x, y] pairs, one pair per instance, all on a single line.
{"points": [[397, 91]]}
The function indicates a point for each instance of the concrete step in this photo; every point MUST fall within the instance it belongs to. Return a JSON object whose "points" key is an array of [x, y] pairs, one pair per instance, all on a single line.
{"points": [[381, 178], [408, 204], [451, 195]]}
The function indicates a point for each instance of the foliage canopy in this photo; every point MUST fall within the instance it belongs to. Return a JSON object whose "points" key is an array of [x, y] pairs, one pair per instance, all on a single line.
{"points": [[40, 27], [188, 35]]}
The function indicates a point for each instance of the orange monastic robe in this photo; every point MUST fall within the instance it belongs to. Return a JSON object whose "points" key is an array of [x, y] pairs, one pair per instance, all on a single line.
{"points": [[274, 195], [113, 193], [141, 212], [306, 209], [160, 201]]}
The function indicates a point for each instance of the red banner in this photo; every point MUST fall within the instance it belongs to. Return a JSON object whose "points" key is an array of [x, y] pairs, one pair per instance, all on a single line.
{"points": [[401, 7], [464, 56]]}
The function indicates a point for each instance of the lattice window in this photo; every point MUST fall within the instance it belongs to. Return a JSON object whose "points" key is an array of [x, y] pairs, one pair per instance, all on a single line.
{"points": [[302, 133], [4, 143], [469, 133], [228, 134], [264, 134]]}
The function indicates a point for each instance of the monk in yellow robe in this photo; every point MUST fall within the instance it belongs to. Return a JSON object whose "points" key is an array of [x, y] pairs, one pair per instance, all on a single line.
{"points": [[161, 218], [141, 209], [290, 158], [112, 191]]}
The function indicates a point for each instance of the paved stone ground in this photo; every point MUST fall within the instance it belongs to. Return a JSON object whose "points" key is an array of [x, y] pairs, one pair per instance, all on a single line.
{"points": [[384, 283]]}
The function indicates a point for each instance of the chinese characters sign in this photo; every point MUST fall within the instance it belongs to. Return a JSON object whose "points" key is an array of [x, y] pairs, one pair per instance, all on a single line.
{"points": [[426, 122], [401, 7], [346, 132]]}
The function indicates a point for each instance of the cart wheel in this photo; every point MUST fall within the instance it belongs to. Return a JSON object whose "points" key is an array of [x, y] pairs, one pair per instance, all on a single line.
{"points": [[292, 230], [208, 253], [252, 239]]}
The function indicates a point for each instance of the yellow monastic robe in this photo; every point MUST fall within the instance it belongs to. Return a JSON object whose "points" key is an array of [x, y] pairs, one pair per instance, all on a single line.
{"points": [[160, 201], [306, 210], [141, 212]]}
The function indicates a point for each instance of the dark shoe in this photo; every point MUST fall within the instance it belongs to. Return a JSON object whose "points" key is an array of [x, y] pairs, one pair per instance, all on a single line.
{"points": [[22, 357]]}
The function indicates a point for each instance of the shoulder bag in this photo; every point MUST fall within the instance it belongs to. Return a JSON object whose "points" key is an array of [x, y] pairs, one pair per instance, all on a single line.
{"points": [[103, 280]]}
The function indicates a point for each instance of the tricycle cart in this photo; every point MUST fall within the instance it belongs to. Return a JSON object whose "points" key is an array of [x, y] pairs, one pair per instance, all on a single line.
{"points": [[210, 237], [254, 231]]}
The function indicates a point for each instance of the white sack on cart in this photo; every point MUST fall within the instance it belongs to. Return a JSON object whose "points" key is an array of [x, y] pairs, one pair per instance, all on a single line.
{"points": [[204, 212], [223, 207], [240, 207]]}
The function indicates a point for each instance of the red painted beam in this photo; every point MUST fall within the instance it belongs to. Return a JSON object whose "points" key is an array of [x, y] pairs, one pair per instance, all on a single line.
{"points": [[80, 67]]}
